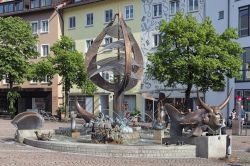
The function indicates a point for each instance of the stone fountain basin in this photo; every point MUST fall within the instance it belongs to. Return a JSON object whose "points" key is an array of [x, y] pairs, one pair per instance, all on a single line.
{"points": [[110, 150]]}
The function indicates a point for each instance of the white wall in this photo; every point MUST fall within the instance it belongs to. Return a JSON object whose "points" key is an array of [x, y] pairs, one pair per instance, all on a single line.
{"points": [[212, 10], [150, 26]]}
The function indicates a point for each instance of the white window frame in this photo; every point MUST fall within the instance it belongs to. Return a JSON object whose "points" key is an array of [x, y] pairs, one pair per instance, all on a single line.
{"points": [[107, 21], [130, 16], [34, 7], [34, 22], [37, 51], [159, 39], [86, 22], [41, 27], [46, 80], [33, 81], [110, 40], [4, 82], [106, 75], [45, 3], [69, 22], [175, 7], [193, 6], [42, 53], [158, 14], [86, 44]]}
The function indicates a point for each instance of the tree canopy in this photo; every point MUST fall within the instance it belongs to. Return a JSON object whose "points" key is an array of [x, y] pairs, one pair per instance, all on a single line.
{"points": [[67, 63], [192, 53], [17, 45]]}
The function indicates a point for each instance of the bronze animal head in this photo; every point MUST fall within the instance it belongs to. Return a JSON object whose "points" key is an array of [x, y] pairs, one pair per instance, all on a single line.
{"points": [[213, 118], [210, 116]]}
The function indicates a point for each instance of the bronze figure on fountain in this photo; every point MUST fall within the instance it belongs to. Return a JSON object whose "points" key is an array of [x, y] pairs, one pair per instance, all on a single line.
{"points": [[200, 120]]}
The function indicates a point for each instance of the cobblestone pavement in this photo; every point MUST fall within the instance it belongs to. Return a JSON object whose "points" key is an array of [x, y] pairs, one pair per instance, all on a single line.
{"points": [[14, 154]]}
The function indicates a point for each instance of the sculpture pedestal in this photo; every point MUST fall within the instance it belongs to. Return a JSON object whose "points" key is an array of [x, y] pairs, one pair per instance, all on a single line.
{"points": [[209, 146], [158, 135], [206, 146], [236, 127], [75, 134]]}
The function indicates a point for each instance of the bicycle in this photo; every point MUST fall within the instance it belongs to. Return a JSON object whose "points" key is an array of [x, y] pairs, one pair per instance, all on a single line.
{"points": [[47, 115]]}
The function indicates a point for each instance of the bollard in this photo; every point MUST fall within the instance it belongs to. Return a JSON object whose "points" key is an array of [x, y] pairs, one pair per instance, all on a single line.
{"points": [[73, 120], [229, 145]]}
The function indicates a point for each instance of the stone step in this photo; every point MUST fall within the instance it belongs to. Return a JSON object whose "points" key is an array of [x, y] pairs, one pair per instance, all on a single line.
{"points": [[108, 150]]}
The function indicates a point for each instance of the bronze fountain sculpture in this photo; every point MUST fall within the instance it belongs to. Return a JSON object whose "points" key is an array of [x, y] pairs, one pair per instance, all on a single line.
{"points": [[208, 118], [127, 67]]}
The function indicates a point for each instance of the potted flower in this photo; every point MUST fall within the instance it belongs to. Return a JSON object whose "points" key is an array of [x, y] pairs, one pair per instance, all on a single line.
{"points": [[135, 115]]}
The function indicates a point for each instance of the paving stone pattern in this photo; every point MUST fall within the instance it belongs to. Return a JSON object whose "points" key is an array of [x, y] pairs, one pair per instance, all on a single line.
{"points": [[14, 154]]}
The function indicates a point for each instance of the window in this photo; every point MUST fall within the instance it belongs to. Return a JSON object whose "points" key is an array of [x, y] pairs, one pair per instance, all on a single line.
{"points": [[44, 26], [157, 10], [108, 15], [45, 3], [74, 46], [8, 7], [45, 50], [129, 12], [46, 79], [35, 48], [174, 7], [221, 15], [88, 44], [245, 72], [5, 79], [105, 76], [108, 40], [157, 40], [244, 21], [19, 6], [192, 5], [34, 4], [1, 8], [33, 81], [245, 94], [72, 22], [89, 19], [34, 26]]}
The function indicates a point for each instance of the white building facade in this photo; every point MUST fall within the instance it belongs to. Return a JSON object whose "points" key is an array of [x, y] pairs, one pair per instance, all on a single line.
{"points": [[235, 14], [153, 12], [224, 14]]}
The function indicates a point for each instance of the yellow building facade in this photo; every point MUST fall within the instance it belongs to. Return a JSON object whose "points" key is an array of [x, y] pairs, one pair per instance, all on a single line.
{"points": [[83, 22]]}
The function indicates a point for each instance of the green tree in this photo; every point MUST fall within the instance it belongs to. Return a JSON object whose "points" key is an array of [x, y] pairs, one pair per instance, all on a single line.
{"points": [[193, 54], [67, 63], [17, 45]]}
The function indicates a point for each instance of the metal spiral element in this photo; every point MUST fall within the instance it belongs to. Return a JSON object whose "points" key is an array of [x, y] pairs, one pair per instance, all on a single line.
{"points": [[126, 62]]}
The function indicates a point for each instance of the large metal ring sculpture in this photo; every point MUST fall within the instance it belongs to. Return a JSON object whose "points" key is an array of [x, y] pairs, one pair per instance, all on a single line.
{"points": [[127, 65]]}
